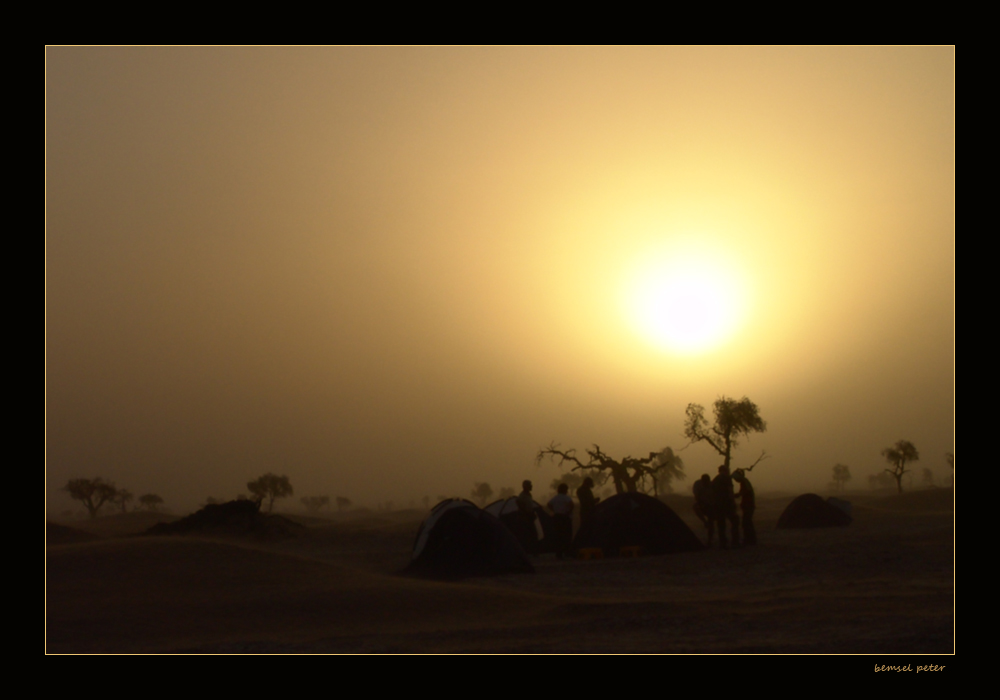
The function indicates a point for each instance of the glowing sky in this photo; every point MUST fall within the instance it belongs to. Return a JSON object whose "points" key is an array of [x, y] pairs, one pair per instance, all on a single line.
{"points": [[393, 272]]}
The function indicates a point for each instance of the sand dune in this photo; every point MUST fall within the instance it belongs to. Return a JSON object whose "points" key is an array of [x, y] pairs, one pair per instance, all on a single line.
{"points": [[884, 584]]}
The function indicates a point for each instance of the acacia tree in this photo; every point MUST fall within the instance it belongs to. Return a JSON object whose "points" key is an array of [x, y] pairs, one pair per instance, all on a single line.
{"points": [[733, 420], [151, 501], [841, 475], [271, 487], [898, 455], [627, 474], [93, 493]]}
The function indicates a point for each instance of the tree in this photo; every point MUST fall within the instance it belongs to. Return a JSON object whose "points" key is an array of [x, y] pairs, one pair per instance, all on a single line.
{"points": [[343, 503], [630, 474], [928, 478], [733, 420], [841, 475], [271, 487], [315, 503], [481, 492], [898, 455], [121, 499], [506, 492], [150, 501], [93, 493], [665, 469]]}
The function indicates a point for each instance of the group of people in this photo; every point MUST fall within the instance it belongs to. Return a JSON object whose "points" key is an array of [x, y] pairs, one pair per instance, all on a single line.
{"points": [[715, 506], [562, 507]]}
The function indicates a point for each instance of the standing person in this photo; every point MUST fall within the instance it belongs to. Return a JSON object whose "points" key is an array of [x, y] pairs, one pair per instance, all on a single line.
{"points": [[561, 506], [704, 505], [747, 504], [725, 503], [526, 519], [585, 494]]}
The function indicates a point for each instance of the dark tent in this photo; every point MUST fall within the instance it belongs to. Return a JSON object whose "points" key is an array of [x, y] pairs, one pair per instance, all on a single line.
{"points": [[636, 520], [810, 510], [458, 540], [506, 510]]}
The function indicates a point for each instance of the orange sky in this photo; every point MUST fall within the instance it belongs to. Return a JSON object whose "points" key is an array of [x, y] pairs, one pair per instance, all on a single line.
{"points": [[393, 272]]}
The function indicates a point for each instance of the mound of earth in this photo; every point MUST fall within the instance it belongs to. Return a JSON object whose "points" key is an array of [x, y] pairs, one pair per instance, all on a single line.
{"points": [[240, 517]]}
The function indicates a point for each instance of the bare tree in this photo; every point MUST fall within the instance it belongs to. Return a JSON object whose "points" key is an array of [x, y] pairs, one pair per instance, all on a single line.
{"points": [[733, 420], [271, 487], [93, 493], [898, 455], [628, 473]]}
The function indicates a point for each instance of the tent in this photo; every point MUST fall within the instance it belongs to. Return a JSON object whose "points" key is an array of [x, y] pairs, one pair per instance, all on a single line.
{"points": [[810, 510], [458, 540], [636, 520], [506, 510]]}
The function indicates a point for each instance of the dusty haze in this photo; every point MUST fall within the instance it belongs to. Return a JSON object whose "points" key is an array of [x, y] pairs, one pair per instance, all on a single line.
{"points": [[393, 272]]}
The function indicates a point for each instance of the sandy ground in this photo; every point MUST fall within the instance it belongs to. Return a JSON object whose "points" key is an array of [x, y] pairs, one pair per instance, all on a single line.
{"points": [[882, 585]]}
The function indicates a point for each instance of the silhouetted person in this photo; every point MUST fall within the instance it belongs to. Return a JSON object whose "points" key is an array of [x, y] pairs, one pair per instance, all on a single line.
{"points": [[585, 495], [747, 504], [704, 505], [561, 506], [526, 519], [725, 502]]}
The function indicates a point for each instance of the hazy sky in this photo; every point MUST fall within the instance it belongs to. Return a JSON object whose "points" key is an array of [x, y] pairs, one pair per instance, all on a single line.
{"points": [[393, 272]]}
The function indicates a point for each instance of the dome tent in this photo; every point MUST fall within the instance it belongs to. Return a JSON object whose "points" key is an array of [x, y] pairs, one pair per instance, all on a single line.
{"points": [[636, 520], [458, 540], [810, 510]]}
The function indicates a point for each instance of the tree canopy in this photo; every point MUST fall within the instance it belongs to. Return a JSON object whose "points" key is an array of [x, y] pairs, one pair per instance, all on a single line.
{"points": [[898, 455], [270, 487], [93, 493], [733, 420]]}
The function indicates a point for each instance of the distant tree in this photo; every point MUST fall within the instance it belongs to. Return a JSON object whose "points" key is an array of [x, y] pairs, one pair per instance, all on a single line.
{"points": [[150, 501], [928, 476], [733, 420], [121, 499], [93, 493], [270, 487], [315, 503], [841, 475], [898, 455], [506, 492], [629, 474], [481, 492], [343, 503], [664, 470]]}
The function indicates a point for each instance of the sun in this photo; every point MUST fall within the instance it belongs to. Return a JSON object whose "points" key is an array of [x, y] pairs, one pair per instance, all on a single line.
{"points": [[685, 302]]}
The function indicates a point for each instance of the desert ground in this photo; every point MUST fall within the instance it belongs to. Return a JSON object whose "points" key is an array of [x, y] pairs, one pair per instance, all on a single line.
{"points": [[331, 584]]}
